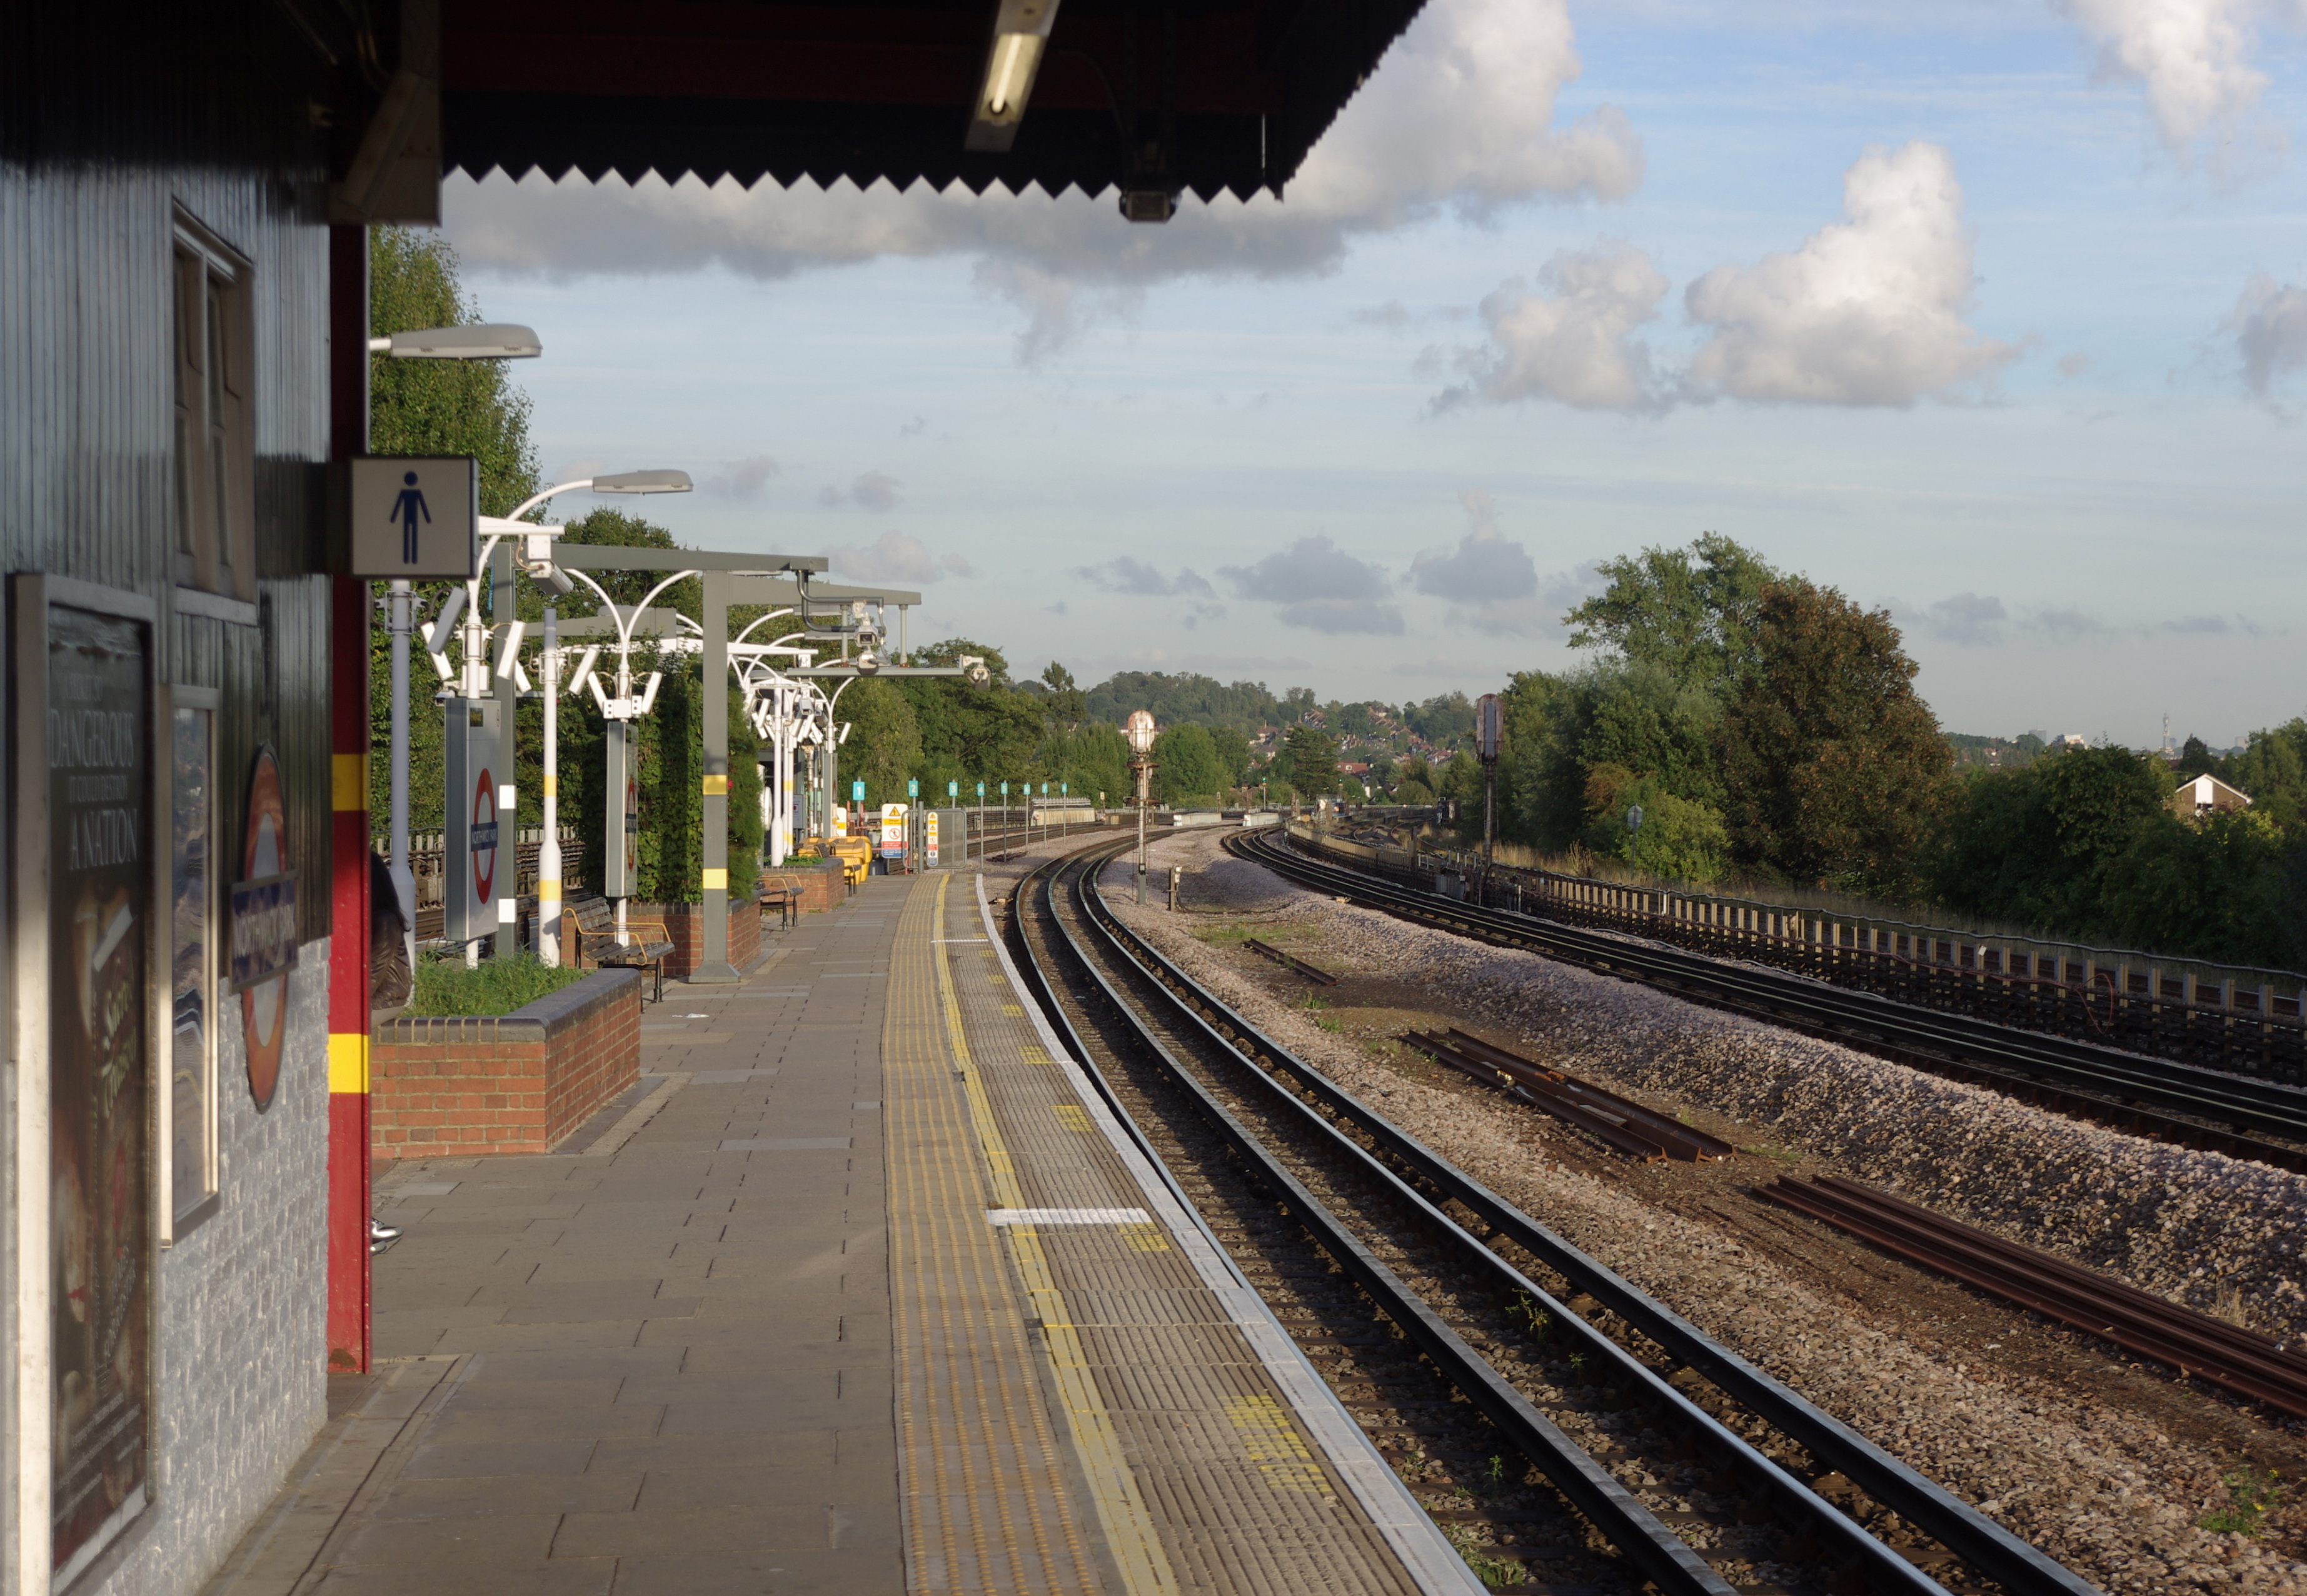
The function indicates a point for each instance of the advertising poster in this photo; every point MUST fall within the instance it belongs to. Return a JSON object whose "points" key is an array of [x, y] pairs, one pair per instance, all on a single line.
{"points": [[263, 931], [100, 908], [192, 1074]]}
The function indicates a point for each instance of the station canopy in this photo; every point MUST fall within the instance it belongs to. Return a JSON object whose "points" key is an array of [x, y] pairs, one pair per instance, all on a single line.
{"points": [[1202, 96]]}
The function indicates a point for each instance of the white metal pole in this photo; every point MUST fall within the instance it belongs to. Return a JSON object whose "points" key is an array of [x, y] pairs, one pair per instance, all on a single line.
{"points": [[404, 879], [548, 852], [475, 667]]}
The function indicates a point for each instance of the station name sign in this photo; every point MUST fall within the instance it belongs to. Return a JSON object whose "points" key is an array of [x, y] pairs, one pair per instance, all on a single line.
{"points": [[263, 930]]}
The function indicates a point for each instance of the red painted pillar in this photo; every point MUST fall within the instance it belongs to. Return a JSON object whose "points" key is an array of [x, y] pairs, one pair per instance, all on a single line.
{"points": [[348, 739]]}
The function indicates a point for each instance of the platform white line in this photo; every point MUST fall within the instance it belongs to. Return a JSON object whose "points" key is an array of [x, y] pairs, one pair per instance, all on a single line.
{"points": [[1428, 1557]]}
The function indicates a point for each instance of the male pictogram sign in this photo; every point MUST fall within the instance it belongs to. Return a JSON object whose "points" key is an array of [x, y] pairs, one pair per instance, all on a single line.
{"points": [[414, 517]]}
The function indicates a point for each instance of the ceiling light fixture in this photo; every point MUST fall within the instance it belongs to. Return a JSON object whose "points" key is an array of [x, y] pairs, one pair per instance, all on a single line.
{"points": [[1020, 32]]}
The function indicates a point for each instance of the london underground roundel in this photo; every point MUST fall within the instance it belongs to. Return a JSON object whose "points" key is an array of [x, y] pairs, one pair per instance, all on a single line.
{"points": [[484, 837]]}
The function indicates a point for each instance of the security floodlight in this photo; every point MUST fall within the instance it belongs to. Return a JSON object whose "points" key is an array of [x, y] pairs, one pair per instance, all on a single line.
{"points": [[444, 625], [1020, 32], [868, 662], [644, 481], [497, 341]]}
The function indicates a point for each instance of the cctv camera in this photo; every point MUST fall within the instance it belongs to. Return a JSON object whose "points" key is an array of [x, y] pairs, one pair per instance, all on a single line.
{"points": [[555, 577], [868, 662]]}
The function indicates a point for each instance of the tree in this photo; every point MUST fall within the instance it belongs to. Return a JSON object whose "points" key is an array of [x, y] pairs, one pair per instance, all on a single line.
{"points": [[433, 406], [1833, 767], [1186, 766], [1067, 704], [441, 407], [885, 743], [1233, 753], [1313, 760], [1690, 611]]}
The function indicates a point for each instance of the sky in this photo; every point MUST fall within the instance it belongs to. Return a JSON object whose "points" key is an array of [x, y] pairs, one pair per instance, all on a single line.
{"points": [[1993, 315]]}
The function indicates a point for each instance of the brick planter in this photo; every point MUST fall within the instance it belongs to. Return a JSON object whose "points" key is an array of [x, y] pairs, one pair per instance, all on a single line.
{"points": [[517, 1083], [684, 924], [821, 886]]}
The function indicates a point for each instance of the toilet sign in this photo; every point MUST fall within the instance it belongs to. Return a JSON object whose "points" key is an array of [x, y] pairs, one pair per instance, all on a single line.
{"points": [[413, 515]]}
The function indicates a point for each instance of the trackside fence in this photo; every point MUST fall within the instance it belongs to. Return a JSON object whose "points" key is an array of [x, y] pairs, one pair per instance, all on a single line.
{"points": [[2244, 1020]]}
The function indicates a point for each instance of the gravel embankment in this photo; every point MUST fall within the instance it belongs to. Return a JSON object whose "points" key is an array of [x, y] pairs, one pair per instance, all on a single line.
{"points": [[2108, 1492]]}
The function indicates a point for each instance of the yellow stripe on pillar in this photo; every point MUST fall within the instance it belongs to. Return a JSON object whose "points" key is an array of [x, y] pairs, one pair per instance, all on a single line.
{"points": [[716, 787], [716, 879], [349, 781], [548, 889], [347, 1062]]}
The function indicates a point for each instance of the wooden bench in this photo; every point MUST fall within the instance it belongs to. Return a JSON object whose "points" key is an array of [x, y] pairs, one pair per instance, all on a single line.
{"points": [[591, 926], [783, 893]]}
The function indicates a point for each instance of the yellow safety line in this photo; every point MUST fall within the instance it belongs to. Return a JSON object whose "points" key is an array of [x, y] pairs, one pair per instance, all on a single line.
{"points": [[941, 1254], [1129, 1532]]}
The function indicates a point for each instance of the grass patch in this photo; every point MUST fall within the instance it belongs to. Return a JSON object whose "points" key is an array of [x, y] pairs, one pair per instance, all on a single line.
{"points": [[2251, 1496], [1770, 1150], [1329, 1022], [1493, 1572], [495, 986]]}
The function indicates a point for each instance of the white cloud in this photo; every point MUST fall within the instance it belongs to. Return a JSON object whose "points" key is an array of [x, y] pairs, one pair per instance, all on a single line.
{"points": [[1321, 587], [1571, 340], [2269, 323], [1123, 574], [740, 479], [896, 557], [1484, 567], [1868, 312], [870, 491], [1459, 117], [2192, 56], [1966, 619]]}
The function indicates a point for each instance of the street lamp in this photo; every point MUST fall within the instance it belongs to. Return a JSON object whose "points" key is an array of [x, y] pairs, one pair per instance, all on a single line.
{"points": [[537, 560], [501, 341], [1139, 729]]}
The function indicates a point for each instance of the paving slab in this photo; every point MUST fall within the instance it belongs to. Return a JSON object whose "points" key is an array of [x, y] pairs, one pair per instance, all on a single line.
{"points": [[780, 1328]]}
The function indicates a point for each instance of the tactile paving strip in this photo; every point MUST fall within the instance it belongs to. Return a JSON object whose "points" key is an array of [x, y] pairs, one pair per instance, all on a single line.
{"points": [[986, 1505], [1238, 1497]]}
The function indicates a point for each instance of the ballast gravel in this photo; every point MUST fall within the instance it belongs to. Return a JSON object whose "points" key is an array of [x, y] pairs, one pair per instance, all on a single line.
{"points": [[2108, 1493]]}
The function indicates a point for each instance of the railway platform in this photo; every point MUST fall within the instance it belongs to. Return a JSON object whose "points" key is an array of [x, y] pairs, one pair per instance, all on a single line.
{"points": [[864, 1289]]}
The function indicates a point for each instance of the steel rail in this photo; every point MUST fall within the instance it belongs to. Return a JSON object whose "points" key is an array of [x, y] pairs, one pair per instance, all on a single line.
{"points": [[1978, 1541], [1661, 1555], [2238, 1360], [2015, 1059], [1986, 1545]]}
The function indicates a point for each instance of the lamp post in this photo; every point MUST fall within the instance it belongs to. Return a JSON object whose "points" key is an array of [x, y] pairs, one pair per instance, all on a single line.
{"points": [[1140, 732], [486, 341], [1486, 746], [537, 559]]}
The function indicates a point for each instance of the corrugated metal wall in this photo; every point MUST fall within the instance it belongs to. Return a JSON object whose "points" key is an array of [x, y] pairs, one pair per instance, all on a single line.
{"points": [[104, 140]]}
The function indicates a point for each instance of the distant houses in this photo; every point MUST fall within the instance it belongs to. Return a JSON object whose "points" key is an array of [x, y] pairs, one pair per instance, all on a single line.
{"points": [[2204, 795]]}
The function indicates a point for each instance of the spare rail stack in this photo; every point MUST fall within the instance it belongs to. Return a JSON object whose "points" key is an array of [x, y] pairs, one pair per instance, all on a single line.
{"points": [[1431, 1248]]}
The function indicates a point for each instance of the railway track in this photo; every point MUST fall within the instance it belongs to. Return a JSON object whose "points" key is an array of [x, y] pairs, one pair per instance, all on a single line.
{"points": [[1544, 1409], [2262, 1120]]}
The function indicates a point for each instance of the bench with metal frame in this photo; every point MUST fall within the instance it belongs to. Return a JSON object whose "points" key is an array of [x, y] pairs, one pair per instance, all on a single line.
{"points": [[783, 893], [592, 929]]}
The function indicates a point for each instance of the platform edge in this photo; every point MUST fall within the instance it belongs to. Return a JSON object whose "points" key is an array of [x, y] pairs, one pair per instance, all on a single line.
{"points": [[1424, 1552]]}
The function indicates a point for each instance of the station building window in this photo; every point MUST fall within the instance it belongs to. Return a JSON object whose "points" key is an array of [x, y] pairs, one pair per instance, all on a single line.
{"points": [[215, 532]]}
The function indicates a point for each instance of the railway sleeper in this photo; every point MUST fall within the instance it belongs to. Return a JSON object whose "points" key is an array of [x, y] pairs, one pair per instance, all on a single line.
{"points": [[1579, 1475], [2019, 1567]]}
